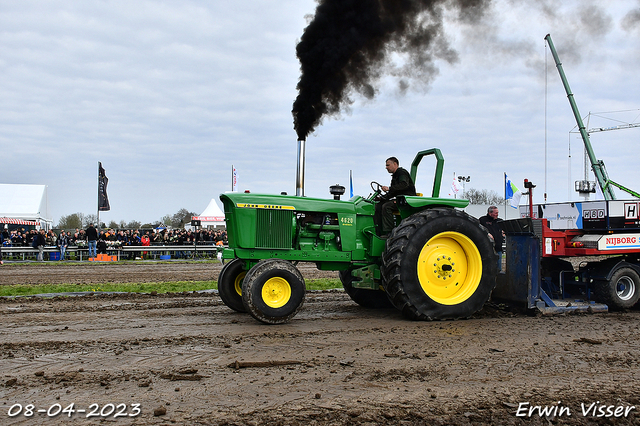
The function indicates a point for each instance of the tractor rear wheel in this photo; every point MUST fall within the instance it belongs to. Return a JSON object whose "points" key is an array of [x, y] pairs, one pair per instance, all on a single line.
{"points": [[621, 292], [273, 291], [439, 264], [372, 299], [230, 284]]}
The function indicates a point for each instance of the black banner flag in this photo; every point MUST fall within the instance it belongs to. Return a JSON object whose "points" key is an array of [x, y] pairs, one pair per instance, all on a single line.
{"points": [[103, 200]]}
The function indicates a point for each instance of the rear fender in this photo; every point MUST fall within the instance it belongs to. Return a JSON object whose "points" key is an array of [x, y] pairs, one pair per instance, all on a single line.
{"points": [[623, 264], [409, 205]]}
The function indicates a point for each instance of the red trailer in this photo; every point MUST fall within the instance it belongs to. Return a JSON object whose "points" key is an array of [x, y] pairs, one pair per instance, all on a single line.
{"points": [[566, 252]]}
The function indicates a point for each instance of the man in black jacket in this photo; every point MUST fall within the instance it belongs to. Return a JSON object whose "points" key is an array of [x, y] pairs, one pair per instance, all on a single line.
{"points": [[39, 241], [401, 184], [491, 222], [92, 239]]}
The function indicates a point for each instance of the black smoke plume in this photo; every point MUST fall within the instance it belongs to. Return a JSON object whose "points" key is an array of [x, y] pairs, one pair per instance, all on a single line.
{"points": [[347, 48]]}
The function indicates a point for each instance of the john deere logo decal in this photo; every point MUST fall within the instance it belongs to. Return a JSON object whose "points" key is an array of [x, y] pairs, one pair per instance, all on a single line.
{"points": [[264, 206]]}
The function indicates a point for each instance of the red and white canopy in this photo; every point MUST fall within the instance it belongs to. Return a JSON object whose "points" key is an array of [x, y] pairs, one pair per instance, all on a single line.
{"points": [[14, 221]]}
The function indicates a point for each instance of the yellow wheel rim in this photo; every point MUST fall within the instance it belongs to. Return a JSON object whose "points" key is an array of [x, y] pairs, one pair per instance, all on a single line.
{"points": [[276, 292], [449, 268], [237, 284]]}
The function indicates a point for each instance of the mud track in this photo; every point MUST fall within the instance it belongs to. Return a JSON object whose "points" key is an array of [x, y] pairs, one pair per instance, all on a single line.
{"points": [[187, 359]]}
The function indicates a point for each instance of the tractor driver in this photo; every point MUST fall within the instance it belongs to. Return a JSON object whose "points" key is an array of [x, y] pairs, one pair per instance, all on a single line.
{"points": [[401, 184]]}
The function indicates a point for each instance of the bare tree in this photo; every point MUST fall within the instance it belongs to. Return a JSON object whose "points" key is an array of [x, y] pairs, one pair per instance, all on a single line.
{"points": [[134, 224], [181, 218], [483, 196], [72, 221], [89, 219]]}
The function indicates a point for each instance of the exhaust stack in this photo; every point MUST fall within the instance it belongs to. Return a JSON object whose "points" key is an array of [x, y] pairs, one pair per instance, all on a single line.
{"points": [[300, 169]]}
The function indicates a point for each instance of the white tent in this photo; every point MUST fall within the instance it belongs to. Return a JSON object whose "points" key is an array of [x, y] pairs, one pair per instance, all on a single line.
{"points": [[211, 216], [24, 204]]}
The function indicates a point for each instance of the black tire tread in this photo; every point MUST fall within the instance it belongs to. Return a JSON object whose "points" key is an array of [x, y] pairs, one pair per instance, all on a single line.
{"points": [[397, 245], [226, 285], [370, 299], [249, 300]]}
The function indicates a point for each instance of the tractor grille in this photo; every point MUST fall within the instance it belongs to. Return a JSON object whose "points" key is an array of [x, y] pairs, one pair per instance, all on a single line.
{"points": [[274, 229]]}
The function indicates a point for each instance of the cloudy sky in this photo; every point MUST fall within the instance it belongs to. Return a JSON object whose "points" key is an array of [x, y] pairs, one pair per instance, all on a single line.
{"points": [[168, 95]]}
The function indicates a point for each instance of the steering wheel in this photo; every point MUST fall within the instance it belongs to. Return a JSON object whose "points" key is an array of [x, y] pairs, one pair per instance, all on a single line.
{"points": [[377, 187], [377, 190]]}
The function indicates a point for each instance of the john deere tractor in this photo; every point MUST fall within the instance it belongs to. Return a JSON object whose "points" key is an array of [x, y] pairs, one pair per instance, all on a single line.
{"points": [[437, 263]]}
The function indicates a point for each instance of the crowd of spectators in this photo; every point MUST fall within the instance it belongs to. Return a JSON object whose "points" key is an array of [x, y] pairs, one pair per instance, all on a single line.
{"points": [[110, 237]]}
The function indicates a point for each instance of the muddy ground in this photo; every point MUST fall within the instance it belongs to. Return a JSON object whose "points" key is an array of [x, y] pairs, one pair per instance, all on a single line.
{"points": [[187, 359], [137, 272]]}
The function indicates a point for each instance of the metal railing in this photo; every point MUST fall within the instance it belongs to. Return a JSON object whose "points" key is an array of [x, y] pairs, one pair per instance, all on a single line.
{"points": [[189, 251]]}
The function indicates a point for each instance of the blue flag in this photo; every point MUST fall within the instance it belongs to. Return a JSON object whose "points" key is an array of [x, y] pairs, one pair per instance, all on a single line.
{"points": [[511, 192], [351, 183]]}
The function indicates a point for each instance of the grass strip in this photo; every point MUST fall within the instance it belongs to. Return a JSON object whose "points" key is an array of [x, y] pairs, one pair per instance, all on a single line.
{"points": [[160, 287]]}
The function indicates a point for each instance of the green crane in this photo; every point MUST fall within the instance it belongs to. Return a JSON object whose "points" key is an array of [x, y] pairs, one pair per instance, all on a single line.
{"points": [[598, 167]]}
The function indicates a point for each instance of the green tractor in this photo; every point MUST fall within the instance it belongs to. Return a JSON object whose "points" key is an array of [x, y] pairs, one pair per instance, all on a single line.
{"points": [[438, 262]]}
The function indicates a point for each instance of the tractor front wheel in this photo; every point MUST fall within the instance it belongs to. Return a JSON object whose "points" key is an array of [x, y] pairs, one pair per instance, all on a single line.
{"points": [[273, 291], [230, 284], [439, 264]]}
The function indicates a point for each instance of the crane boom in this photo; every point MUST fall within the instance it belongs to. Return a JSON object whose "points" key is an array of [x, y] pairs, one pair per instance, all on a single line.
{"points": [[606, 184], [597, 166], [619, 127]]}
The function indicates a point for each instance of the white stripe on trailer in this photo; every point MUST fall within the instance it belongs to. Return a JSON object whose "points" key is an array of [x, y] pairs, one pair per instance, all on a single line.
{"points": [[619, 242]]}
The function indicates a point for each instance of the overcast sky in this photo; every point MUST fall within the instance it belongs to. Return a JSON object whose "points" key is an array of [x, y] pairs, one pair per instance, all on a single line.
{"points": [[168, 95]]}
